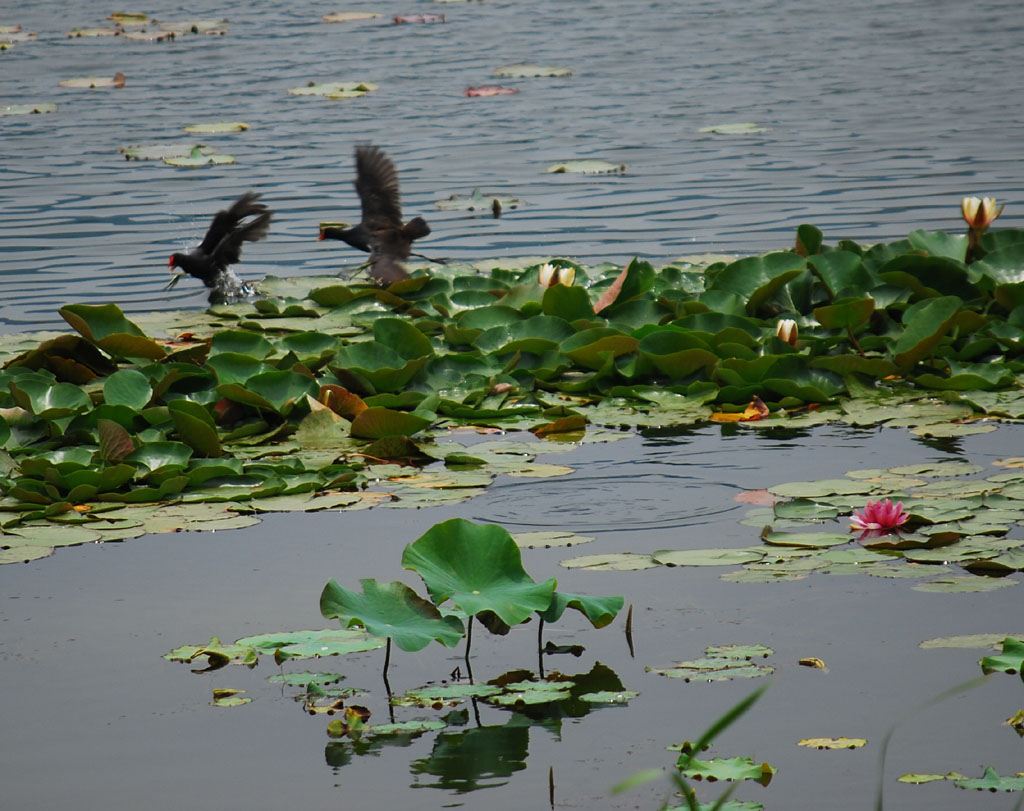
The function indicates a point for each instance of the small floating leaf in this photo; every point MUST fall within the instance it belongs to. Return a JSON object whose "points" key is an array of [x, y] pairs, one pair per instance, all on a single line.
{"points": [[832, 743], [349, 16], [27, 109], [586, 167], [523, 70], [156, 152], [1010, 660], [548, 539], [744, 128], [707, 557], [117, 80], [216, 127], [964, 584], [991, 781], [198, 157], [621, 562], [224, 697]]}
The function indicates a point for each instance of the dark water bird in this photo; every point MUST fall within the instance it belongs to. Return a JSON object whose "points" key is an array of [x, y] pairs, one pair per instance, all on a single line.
{"points": [[382, 233], [246, 221]]}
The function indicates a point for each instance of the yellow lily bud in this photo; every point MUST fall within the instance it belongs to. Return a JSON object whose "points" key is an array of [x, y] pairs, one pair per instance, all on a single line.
{"points": [[566, 276]]}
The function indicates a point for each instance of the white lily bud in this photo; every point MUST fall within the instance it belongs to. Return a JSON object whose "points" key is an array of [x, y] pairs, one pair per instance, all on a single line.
{"points": [[546, 274], [787, 330]]}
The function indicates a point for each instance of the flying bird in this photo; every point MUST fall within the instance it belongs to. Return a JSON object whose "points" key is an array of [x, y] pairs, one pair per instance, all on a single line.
{"points": [[382, 233], [246, 221]]}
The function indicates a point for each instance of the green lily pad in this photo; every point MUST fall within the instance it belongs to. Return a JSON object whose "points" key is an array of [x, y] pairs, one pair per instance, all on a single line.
{"points": [[312, 644], [614, 562], [737, 768], [706, 557], [962, 585], [1010, 660], [393, 611], [548, 539], [479, 568], [991, 781]]}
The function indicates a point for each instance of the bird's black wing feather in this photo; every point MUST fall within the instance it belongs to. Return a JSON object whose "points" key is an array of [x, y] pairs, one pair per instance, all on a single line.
{"points": [[377, 184], [224, 222]]}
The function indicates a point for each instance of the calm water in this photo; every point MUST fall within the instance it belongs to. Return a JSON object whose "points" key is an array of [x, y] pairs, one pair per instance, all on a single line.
{"points": [[91, 716], [882, 116]]}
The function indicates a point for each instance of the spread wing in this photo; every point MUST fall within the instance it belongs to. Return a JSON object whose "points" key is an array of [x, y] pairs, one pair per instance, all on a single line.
{"points": [[377, 185], [224, 222], [224, 240]]}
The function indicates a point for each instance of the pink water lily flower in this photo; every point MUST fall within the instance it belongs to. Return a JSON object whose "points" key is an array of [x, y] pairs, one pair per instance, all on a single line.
{"points": [[879, 515]]}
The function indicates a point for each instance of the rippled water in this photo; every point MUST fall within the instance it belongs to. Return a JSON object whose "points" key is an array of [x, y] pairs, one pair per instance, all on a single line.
{"points": [[882, 115], [91, 716]]}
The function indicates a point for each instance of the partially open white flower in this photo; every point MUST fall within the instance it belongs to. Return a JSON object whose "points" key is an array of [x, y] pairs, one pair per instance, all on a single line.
{"points": [[980, 213], [548, 275], [787, 330]]}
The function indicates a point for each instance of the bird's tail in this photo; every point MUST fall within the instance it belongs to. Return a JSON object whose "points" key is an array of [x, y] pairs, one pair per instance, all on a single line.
{"points": [[256, 228]]}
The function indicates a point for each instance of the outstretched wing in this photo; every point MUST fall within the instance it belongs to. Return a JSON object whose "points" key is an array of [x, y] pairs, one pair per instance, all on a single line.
{"points": [[377, 185], [224, 222], [229, 249]]}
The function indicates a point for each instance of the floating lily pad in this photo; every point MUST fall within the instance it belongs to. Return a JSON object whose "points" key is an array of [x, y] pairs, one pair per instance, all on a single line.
{"points": [[1010, 660], [832, 743], [27, 109], [744, 128], [93, 32], [982, 641], [524, 70], [586, 167], [705, 557], [615, 562], [156, 152], [349, 16], [200, 157], [477, 201], [334, 90], [217, 127], [991, 781], [962, 585], [117, 80], [226, 697], [737, 768], [549, 538]]}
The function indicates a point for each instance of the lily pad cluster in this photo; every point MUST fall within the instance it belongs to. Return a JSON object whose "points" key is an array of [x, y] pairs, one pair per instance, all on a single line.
{"points": [[304, 391], [957, 539]]}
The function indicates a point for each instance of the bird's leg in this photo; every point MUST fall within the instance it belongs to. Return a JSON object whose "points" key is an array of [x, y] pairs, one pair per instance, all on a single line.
{"points": [[441, 261]]}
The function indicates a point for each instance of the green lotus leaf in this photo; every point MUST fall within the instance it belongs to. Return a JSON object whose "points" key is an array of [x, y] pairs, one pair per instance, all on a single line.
{"points": [[106, 326], [938, 243], [878, 368], [195, 426], [334, 90], [375, 365], [217, 653], [807, 540], [969, 377], [1010, 659], [478, 567], [310, 344], [235, 367], [448, 692], [312, 644], [599, 611], [392, 611], [530, 693], [757, 278], [50, 401], [157, 152], [991, 781], [846, 313]]}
